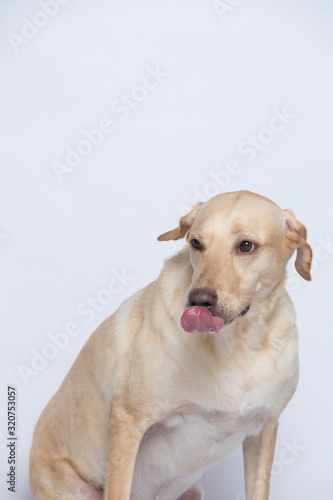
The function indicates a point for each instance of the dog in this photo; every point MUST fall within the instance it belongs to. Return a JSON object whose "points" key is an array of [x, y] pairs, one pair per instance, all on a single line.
{"points": [[200, 361]]}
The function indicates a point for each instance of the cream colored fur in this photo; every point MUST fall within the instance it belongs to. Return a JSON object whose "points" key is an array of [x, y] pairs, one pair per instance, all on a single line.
{"points": [[146, 407]]}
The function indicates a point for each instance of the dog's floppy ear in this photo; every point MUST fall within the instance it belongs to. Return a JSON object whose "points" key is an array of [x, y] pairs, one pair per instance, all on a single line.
{"points": [[296, 239], [184, 225]]}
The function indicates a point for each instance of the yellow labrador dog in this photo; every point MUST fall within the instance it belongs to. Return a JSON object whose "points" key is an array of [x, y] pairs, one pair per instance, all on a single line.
{"points": [[198, 362]]}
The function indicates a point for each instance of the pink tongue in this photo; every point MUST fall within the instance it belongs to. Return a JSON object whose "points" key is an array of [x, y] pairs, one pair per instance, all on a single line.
{"points": [[199, 318]]}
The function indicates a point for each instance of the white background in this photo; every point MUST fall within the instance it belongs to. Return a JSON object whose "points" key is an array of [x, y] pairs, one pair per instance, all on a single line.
{"points": [[60, 241]]}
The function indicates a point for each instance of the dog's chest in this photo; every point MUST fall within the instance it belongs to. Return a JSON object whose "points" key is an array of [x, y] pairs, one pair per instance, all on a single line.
{"points": [[174, 453], [248, 384]]}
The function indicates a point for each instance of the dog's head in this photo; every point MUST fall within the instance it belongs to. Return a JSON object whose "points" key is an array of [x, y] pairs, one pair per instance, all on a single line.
{"points": [[239, 245]]}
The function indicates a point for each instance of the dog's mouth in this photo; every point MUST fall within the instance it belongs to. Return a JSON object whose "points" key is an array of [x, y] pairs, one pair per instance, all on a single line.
{"points": [[200, 319], [245, 310]]}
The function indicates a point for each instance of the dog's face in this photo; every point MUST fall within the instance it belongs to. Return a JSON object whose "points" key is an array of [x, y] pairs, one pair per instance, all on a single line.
{"points": [[239, 245]]}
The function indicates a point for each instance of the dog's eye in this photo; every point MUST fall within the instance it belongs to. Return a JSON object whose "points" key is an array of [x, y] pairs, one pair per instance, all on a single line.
{"points": [[196, 244], [247, 247]]}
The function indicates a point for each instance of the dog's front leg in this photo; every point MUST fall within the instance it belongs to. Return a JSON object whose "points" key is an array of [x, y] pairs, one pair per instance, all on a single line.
{"points": [[125, 433], [258, 454]]}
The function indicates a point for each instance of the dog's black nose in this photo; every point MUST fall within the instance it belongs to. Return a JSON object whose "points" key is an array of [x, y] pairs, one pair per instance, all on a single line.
{"points": [[202, 297]]}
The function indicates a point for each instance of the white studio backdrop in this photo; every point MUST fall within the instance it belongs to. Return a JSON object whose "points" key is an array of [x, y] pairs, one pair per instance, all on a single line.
{"points": [[116, 117]]}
